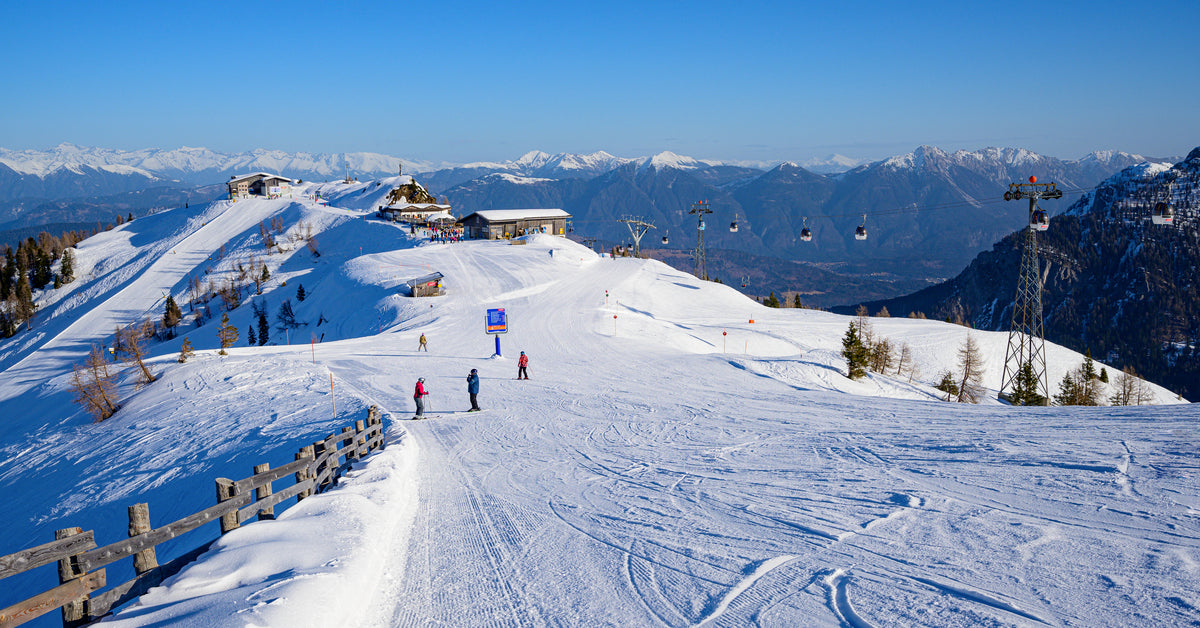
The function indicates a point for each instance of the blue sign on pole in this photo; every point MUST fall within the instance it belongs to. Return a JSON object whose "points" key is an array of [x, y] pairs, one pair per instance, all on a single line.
{"points": [[497, 321]]}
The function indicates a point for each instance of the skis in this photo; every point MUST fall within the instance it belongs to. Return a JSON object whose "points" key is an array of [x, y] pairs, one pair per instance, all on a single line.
{"points": [[446, 414]]}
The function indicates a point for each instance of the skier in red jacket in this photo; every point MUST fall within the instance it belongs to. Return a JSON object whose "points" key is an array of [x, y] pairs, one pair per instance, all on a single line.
{"points": [[419, 396], [522, 366]]}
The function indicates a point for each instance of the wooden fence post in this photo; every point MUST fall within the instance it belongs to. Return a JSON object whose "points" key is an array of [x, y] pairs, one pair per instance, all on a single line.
{"points": [[226, 490], [139, 523], [333, 461], [264, 492], [349, 438], [305, 473], [360, 439], [74, 613], [318, 452]]}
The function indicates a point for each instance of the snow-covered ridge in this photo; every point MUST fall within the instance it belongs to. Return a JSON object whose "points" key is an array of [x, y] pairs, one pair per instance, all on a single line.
{"points": [[194, 160], [924, 156]]}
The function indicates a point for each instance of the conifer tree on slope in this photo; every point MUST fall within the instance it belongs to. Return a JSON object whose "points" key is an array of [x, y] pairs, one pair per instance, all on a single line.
{"points": [[855, 353], [264, 328], [1025, 388]]}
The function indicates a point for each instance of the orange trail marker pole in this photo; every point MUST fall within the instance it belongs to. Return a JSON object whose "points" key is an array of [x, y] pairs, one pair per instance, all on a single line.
{"points": [[313, 343], [332, 400]]}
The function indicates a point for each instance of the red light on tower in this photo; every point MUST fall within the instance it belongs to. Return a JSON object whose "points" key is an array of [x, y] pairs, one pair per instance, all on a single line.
{"points": [[1033, 179]]}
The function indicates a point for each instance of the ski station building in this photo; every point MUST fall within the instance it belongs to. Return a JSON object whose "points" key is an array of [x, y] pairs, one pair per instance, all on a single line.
{"points": [[258, 184], [415, 212], [492, 224]]}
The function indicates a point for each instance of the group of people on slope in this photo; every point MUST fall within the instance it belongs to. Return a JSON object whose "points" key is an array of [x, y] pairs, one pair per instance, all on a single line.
{"points": [[420, 392]]}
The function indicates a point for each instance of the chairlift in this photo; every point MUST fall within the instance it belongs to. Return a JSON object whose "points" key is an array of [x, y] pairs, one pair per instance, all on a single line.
{"points": [[860, 233], [806, 233], [1162, 214], [745, 281], [1038, 220]]}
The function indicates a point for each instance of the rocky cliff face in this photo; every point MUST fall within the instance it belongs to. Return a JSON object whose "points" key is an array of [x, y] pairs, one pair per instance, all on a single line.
{"points": [[1115, 283]]}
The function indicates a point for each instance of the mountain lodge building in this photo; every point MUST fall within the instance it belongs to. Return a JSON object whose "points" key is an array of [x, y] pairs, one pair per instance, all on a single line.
{"points": [[258, 184], [492, 224]]}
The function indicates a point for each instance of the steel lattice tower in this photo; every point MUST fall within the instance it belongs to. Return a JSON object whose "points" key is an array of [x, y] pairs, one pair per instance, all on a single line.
{"points": [[700, 208], [1026, 339]]}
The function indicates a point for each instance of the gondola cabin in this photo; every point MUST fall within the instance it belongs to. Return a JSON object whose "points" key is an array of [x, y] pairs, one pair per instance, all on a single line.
{"points": [[1039, 221], [806, 234], [666, 240], [1162, 214], [860, 232], [733, 227]]}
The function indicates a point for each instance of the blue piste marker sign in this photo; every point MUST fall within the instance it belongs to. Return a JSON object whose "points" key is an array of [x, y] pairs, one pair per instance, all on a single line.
{"points": [[497, 321]]}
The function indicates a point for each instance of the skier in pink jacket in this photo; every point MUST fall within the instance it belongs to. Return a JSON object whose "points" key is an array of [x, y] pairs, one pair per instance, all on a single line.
{"points": [[419, 396], [523, 366]]}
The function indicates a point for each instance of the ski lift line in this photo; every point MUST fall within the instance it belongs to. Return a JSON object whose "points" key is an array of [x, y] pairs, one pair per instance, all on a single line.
{"points": [[914, 209]]}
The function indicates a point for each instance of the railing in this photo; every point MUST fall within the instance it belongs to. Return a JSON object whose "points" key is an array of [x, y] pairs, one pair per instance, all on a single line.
{"points": [[80, 563]]}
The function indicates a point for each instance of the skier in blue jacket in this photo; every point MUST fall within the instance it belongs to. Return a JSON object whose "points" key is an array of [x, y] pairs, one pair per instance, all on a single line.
{"points": [[473, 390]]}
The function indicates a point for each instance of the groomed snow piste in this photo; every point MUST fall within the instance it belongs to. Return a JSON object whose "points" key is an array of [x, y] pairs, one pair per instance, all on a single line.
{"points": [[652, 472]]}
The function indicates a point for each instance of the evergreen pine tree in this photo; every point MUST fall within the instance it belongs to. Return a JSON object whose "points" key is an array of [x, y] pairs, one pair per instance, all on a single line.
{"points": [[947, 385], [1089, 393], [771, 301], [796, 302], [264, 328], [8, 275], [250, 339], [67, 266], [266, 274], [24, 306], [855, 353], [1068, 392], [1025, 388], [1103, 375], [300, 292], [171, 314]]}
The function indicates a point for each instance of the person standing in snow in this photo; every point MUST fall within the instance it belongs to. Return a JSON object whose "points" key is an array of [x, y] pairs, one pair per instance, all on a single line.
{"points": [[422, 346], [523, 366], [473, 390], [419, 396]]}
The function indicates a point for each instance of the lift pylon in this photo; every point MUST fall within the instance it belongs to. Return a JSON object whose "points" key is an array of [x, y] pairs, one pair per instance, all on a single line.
{"points": [[1026, 337], [700, 208], [637, 229]]}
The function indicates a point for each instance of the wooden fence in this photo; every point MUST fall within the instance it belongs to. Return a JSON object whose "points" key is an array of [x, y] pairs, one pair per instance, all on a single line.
{"points": [[80, 563]]}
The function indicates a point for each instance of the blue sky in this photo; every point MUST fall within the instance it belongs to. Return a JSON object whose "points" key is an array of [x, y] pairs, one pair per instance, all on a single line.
{"points": [[464, 81]]}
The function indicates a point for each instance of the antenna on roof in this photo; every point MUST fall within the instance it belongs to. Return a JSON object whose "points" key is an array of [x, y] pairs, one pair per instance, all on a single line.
{"points": [[347, 164]]}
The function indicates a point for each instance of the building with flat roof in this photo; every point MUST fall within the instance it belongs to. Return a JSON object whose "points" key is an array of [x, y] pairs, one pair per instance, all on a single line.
{"points": [[492, 224]]}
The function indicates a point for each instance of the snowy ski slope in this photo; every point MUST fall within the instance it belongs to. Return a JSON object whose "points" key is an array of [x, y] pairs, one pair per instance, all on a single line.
{"points": [[653, 471]]}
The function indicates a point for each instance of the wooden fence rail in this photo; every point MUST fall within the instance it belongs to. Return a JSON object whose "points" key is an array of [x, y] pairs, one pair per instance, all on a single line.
{"points": [[80, 562]]}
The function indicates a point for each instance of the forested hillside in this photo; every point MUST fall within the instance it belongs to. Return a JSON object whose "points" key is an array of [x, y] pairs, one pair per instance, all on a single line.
{"points": [[1116, 284]]}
